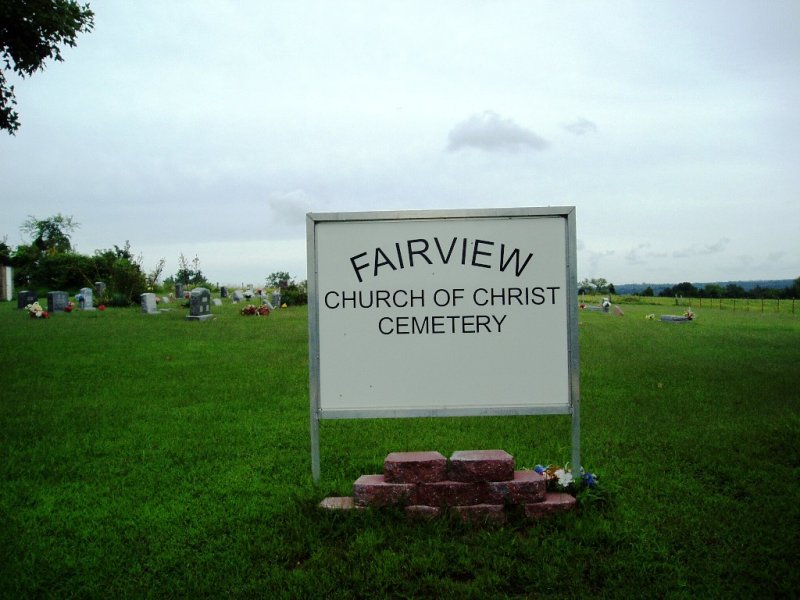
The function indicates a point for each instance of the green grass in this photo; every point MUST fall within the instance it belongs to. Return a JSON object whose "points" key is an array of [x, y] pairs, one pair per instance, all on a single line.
{"points": [[143, 455]]}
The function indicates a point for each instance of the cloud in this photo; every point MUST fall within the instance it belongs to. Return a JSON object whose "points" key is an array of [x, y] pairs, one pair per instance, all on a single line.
{"points": [[705, 250], [290, 208], [491, 132], [636, 256], [581, 126]]}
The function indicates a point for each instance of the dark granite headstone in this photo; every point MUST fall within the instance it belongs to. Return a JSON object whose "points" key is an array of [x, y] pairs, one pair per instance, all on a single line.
{"points": [[223, 292], [200, 305], [26, 297], [57, 301]]}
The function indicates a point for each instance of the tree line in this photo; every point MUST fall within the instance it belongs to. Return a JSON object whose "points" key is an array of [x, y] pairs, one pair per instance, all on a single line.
{"points": [[731, 290]]}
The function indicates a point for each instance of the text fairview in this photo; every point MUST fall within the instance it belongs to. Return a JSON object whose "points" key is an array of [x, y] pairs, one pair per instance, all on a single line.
{"points": [[410, 253]]}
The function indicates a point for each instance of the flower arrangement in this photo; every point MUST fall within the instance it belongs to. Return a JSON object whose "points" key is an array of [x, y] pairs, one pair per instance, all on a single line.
{"points": [[252, 309], [689, 314], [561, 478], [36, 311], [69, 307]]}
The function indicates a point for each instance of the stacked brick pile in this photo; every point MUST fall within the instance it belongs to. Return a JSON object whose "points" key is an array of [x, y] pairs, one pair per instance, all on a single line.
{"points": [[477, 484]]}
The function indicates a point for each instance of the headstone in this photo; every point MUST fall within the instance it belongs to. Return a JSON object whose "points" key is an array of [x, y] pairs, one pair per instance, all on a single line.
{"points": [[223, 292], [238, 296], [179, 290], [6, 283], [148, 301], [217, 302], [276, 298], [26, 297], [57, 301], [87, 303], [100, 289], [165, 299], [200, 305]]}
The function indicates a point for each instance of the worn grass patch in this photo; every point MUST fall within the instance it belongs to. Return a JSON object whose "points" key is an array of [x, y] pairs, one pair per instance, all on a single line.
{"points": [[143, 455]]}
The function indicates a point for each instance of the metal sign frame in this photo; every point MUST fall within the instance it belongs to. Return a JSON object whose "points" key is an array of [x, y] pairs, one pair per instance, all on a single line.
{"points": [[316, 221]]}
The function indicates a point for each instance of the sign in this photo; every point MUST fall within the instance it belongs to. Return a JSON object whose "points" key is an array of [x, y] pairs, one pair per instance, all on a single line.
{"points": [[442, 313]]}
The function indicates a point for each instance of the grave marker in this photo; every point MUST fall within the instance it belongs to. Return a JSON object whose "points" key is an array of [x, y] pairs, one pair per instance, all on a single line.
{"points": [[148, 302], [199, 305], [57, 301], [26, 297], [86, 302]]}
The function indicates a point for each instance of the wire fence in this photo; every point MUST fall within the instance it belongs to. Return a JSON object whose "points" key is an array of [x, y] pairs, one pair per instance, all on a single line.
{"points": [[764, 305]]}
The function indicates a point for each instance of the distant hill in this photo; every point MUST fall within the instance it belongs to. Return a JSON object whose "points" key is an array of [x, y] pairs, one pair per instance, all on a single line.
{"points": [[637, 288]]}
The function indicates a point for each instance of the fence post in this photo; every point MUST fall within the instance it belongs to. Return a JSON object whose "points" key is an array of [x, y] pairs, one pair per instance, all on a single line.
{"points": [[734, 305]]}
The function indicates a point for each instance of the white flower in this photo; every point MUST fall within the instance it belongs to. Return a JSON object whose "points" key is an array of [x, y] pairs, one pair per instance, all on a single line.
{"points": [[564, 477]]}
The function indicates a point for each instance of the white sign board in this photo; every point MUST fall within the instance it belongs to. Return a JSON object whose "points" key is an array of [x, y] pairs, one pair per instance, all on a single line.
{"points": [[442, 313]]}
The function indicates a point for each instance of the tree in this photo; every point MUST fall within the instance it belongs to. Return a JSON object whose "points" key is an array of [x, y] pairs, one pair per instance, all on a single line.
{"points": [[31, 31], [51, 235], [5, 252], [279, 279], [648, 291]]}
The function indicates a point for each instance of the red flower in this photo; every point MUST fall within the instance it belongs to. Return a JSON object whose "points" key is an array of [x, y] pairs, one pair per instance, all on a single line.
{"points": [[101, 307]]}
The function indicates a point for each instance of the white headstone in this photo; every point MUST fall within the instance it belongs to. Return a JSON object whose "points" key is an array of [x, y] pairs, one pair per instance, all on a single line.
{"points": [[149, 303]]}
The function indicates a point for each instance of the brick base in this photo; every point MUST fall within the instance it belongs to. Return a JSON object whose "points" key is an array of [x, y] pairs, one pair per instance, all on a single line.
{"points": [[553, 503], [486, 484], [372, 490]]}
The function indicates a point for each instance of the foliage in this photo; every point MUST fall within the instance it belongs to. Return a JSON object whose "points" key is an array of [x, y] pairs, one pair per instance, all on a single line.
{"points": [[32, 31], [597, 285], [123, 275], [189, 275], [5, 252], [50, 235], [292, 292], [731, 290], [278, 279]]}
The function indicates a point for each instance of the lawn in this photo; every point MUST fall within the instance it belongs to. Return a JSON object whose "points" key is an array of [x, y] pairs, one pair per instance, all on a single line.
{"points": [[144, 455]]}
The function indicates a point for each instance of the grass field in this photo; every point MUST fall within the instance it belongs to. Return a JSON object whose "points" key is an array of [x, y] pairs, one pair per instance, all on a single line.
{"points": [[143, 455]]}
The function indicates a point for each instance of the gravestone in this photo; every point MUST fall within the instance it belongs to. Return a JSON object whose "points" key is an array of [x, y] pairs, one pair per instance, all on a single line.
{"points": [[223, 292], [199, 305], [87, 302], [57, 301], [179, 290], [276, 298], [26, 297], [238, 296], [100, 289], [217, 302], [6, 283], [165, 299], [148, 301]]}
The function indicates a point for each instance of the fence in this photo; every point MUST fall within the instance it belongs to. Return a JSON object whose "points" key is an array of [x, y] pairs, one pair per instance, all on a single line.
{"points": [[764, 305]]}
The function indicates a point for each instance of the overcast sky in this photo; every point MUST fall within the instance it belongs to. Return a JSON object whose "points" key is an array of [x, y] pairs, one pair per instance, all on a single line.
{"points": [[211, 128]]}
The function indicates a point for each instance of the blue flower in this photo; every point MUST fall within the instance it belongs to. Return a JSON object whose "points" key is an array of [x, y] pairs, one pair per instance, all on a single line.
{"points": [[539, 469], [590, 479]]}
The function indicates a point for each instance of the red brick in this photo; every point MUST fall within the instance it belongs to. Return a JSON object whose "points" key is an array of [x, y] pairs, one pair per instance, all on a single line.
{"points": [[414, 467], [527, 487], [481, 465], [420, 512], [372, 490], [451, 493], [554, 502], [481, 513], [339, 503]]}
